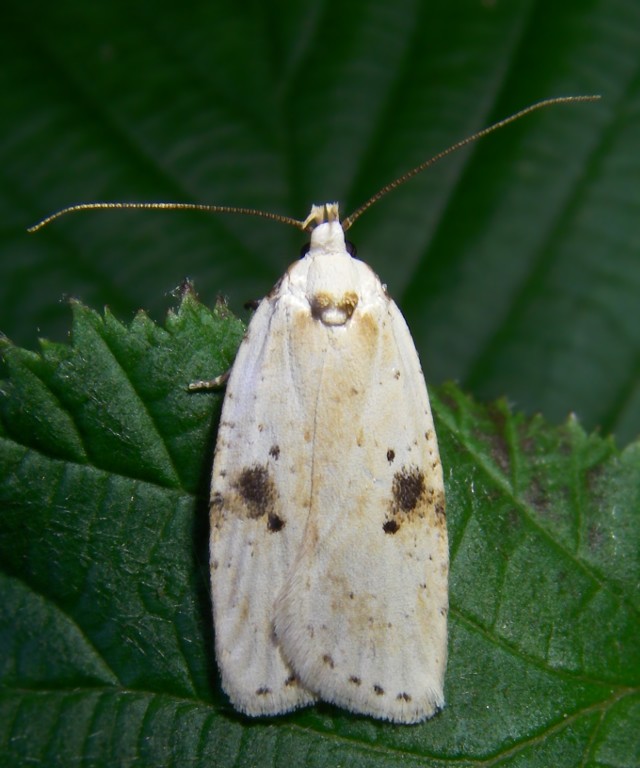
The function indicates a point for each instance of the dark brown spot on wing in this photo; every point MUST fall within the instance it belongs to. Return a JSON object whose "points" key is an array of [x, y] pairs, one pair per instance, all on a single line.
{"points": [[391, 454], [355, 680], [411, 498], [328, 660], [274, 452], [263, 691], [407, 488], [256, 489], [378, 690]]}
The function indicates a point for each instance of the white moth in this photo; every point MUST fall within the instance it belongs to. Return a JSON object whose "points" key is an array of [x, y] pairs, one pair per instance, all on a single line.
{"points": [[329, 557]]}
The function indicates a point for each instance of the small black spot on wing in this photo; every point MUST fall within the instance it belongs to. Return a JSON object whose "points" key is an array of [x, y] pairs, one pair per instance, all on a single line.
{"points": [[355, 680], [275, 523], [274, 452], [390, 526], [328, 660], [378, 690], [263, 691], [391, 454], [403, 697]]}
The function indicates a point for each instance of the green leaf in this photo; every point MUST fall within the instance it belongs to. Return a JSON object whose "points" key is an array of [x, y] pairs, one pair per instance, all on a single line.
{"points": [[515, 260], [106, 646]]}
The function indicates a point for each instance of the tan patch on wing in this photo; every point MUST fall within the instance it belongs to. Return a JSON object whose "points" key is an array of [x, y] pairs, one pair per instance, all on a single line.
{"points": [[333, 310]]}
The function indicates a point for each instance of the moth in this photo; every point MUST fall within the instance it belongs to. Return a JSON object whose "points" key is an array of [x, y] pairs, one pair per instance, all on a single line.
{"points": [[329, 556]]}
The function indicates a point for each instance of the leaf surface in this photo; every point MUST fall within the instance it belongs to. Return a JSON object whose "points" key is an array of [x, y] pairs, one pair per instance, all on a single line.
{"points": [[106, 644]]}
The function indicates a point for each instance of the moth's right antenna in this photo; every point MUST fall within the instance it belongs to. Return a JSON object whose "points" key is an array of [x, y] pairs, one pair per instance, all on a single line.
{"points": [[346, 223]]}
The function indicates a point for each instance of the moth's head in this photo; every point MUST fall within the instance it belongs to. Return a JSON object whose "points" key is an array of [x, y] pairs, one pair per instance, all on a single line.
{"points": [[327, 233]]}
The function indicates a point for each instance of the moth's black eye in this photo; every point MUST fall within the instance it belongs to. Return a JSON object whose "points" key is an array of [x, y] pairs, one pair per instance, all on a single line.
{"points": [[351, 249], [252, 304], [305, 250]]}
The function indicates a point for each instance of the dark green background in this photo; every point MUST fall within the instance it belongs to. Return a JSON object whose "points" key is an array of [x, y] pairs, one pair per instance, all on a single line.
{"points": [[516, 261]]}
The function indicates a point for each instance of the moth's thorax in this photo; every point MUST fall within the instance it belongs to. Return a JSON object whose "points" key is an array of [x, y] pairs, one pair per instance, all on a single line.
{"points": [[328, 238], [329, 280]]}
